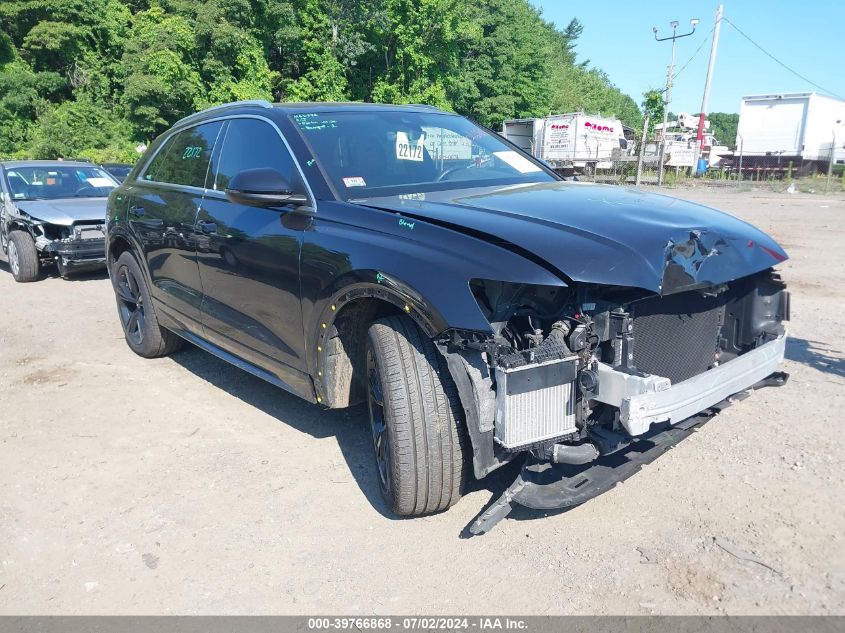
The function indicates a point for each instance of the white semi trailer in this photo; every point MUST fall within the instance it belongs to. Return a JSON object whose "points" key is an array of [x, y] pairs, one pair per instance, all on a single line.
{"points": [[797, 127], [574, 141]]}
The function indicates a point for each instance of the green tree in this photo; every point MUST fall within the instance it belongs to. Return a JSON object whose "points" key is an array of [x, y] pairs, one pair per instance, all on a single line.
{"points": [[159, 65], [95, 77], [421, 43], [23, 96], [653, 105], [324, 79], [723, 126], [75, 128], [507, 66]]}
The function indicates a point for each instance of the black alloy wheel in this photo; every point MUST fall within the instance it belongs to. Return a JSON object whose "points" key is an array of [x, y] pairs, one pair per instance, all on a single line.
{"points": [[378, 426], [130, 305]]}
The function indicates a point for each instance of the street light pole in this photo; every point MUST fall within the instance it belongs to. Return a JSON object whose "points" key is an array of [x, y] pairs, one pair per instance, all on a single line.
{"points": [[668, 92]]}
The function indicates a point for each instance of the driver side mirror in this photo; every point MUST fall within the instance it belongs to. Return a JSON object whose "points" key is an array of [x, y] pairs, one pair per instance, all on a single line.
{"points": [[262, 187]]}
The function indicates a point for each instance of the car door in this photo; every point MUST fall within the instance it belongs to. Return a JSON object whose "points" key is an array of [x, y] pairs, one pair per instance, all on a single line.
{"points": [[162, 207], [249, 259]]}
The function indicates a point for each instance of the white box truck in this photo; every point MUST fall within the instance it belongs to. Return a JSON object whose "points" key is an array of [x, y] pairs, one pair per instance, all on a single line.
{"points": [[796, 127], [575, 141]]}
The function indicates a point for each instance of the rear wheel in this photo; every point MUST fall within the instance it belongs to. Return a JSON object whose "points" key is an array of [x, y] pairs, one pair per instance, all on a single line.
{"points": [[137, 315], [23, 257], [416, 419]]}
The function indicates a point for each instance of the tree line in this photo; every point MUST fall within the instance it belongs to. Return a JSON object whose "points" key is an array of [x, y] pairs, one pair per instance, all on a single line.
{"points": [[93, 78]]}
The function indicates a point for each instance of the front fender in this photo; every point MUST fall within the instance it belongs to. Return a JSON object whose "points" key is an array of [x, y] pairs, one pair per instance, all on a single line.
{"points": [[424, 269]]}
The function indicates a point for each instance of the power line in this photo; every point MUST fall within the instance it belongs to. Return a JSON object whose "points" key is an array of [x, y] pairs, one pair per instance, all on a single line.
{"points": [[697, 51], [687, 63], [794, 72]]}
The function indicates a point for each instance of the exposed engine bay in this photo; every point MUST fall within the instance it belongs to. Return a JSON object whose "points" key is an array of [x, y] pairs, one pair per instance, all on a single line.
{"points": [[79, 245], [572, 373]]}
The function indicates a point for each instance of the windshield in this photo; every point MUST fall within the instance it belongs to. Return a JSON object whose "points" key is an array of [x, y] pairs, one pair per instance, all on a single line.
{"points": [[389, 153], [51, 182]]}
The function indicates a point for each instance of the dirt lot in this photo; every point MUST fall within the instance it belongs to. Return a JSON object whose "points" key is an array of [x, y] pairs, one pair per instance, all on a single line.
{"points": [[184, 485]]}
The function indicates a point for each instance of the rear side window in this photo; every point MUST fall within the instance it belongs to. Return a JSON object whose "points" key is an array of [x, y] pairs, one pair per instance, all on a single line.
{"points": [[183, 160], [249, 144]]}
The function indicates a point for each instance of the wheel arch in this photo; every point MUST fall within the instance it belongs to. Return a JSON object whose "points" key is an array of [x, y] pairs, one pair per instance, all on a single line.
{"points": [[17, 224], [337, 337], [119, 242]]}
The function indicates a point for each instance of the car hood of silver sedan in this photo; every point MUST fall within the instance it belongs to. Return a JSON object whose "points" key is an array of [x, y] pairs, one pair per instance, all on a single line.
{"points": [[65, 211]]}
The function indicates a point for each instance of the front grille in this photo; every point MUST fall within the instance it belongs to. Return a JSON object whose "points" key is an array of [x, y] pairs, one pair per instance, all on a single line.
{"points": [[677, 336]]}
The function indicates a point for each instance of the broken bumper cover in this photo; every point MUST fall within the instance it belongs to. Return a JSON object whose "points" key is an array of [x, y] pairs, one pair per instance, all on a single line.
{"points": [[79, 253], [545, 486], [675, 411], [644, 401]]}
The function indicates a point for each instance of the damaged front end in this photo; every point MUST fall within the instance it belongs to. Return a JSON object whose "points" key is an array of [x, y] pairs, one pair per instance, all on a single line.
{"points": [[590, 382], [78, 246]]}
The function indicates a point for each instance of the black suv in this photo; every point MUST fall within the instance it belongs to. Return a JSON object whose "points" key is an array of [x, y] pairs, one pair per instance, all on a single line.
{"points": [[482, 307]]}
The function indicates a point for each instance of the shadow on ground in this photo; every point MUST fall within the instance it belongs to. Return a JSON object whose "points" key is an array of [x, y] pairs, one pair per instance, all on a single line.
{"points": [[817, 355], [53, 272], [348, 426]]}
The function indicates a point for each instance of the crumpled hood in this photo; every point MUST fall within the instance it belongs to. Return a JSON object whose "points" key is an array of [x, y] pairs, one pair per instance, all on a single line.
{"points": [[603, 234], [65, 211]]}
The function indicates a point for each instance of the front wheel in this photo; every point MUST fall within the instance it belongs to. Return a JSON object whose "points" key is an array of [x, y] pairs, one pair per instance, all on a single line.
{"points": [[416, 419], [137, 315], [23, 257]]}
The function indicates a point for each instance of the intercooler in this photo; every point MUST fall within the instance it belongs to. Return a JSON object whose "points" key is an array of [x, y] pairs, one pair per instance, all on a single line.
{"points": [[535, 401], [677, 336]]}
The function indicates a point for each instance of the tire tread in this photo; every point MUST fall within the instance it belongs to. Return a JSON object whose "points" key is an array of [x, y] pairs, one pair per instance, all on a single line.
{"points": [[29, 265], [424, 416]]}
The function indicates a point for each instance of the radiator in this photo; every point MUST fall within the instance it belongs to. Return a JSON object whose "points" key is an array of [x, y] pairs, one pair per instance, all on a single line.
{"points": [[535, 402], [677, 336]]}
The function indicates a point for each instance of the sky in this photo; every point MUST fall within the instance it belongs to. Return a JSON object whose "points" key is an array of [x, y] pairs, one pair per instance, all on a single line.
{"points": [[807, 36]]}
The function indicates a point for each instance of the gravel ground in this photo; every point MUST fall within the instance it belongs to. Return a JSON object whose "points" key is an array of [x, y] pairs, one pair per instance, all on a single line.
{"points": [[183, 485]]}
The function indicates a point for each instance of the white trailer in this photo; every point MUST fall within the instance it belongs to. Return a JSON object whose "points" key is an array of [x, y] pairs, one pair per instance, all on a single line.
{"points": [[568, 141], [797, 127]]}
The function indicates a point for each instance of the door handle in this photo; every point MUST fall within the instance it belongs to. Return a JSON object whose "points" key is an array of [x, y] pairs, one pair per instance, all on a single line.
{"points": [[136, 211], [207, 227]]}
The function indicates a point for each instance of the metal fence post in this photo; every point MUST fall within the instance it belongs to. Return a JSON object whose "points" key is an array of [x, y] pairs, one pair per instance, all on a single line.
{"points": [[830, 163]]}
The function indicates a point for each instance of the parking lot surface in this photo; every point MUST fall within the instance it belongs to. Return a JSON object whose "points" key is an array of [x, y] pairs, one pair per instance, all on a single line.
{"points": [[184, 485]]}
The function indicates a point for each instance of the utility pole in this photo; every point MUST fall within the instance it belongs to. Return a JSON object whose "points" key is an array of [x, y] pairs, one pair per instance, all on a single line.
{"points": [[668, 98], [640, 155], [699, 137]]}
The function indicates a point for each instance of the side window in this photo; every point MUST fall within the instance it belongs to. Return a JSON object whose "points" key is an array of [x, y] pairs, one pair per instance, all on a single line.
{"points": [[184, 158], [249, 144]]}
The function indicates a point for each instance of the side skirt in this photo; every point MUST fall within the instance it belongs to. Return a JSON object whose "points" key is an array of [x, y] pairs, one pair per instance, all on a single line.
{"points": [[242, 364]]}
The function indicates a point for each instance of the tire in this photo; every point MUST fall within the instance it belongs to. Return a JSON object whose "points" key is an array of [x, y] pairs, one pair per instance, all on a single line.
{"points": [[137, 314], [23, 257], [416, 419], [229, 257]]}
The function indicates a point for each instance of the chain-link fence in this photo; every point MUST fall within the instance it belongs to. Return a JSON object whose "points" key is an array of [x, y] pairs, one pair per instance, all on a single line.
{"points": [[734, 169]]}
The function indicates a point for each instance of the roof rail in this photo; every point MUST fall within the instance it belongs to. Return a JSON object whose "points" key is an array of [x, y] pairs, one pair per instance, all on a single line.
{"points": [[260, 103]]}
